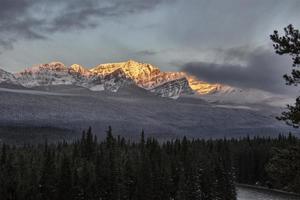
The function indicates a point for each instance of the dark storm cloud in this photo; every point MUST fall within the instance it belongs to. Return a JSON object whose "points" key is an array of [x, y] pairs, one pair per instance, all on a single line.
{"points": [[15, 21], [37, 19], [262, 69]]}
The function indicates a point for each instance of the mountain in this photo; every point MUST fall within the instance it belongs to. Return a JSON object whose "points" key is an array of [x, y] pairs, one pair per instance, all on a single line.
{"points": [[226, 94], [144, 75], [113, 76], [8, 80], [124, 95], [6, 77], [128, 111], [115, 80], [173, 89], [148, 76], [54, 73], [80, 70], [201, 87]]}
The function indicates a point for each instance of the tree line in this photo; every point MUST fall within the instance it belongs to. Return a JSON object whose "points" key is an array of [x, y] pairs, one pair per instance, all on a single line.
{"points": [[269, 162], [116, 168]]}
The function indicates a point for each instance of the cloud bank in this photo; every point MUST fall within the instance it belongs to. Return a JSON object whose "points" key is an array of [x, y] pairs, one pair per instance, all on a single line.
{"points": [[259, 68], [38, 19]]}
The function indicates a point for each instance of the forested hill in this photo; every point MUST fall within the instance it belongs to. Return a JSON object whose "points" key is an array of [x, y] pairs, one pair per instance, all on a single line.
{"points": [[119, 169]]}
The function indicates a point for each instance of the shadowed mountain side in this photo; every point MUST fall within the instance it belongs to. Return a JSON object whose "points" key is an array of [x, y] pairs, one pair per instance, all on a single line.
{"points": [[131, 110], [11, 86]]}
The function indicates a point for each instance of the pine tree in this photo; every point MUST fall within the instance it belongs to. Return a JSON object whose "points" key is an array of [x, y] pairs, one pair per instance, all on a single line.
{"points": [[48, 176], [290, 44], [64, 186]]}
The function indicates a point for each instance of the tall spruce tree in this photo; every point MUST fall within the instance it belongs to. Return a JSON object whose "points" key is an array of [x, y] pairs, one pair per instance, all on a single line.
{"points": [[64, 179], [289, 44]]}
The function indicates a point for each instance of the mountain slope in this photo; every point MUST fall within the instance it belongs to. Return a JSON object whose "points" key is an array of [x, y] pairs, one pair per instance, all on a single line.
{"points": [[114, 76], [128, 114], [111, 77], [173, 89], [57, 73], [6, 77], [149, 77], [80, 70], [140, 73], [124, 95], [54, 73], [227, 94]]}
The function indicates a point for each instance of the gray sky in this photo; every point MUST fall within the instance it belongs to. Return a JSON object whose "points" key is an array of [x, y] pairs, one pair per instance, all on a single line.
{"points": [[219, 41]]}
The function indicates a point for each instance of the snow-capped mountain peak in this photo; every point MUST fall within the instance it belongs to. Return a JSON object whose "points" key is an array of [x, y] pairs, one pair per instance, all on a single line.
{"points": [[54, 73], [113, 76], [80, 69], [134, 70], [53, 66]]}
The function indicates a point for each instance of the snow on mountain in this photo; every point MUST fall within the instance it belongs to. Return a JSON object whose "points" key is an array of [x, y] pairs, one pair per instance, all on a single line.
{"points": [[232, 94], [145, 75], [141, 73], [113, 76], [201, 87], [228, 94], [149, 77], [129, 113], [80, 70], [54, 73], [109, 76], [115, 80], [6, 77], [173, 89]]}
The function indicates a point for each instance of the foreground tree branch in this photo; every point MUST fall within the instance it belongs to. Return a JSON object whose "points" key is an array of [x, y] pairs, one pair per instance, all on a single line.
{"points": [[289, 44]]}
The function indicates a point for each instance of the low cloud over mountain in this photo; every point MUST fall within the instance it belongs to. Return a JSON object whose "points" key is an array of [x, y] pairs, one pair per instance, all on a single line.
{"points": [[244, 67]]}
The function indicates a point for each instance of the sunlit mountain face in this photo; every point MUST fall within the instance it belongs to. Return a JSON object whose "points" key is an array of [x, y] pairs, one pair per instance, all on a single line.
{"points": [[113, 76], [201, 87], [143, 75], [148, 76]]}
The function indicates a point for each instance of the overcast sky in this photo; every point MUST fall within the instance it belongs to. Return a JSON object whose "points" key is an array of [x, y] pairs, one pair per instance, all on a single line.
{"points": [[219, 41]]}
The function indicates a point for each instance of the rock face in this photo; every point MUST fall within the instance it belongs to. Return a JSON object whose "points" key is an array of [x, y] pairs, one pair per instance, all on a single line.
{"points": [[173, 89], [54, 73], [113, 76], [80, 70], [6, 77], [144, 75], [57, 73], [151, 78], [116, 80], [201, 87]]}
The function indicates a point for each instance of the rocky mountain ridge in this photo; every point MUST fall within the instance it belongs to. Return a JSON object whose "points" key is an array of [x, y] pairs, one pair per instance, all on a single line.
{"points": [[111, 76], [6, 77]]}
